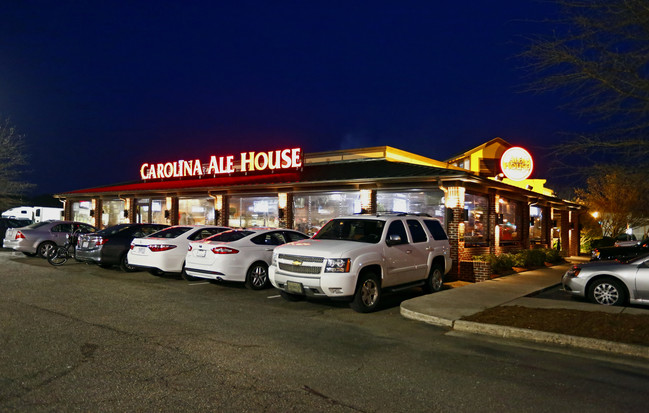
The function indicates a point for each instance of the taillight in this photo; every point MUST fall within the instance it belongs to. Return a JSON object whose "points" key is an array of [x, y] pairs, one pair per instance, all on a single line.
{"points": [[19, 235], [132, 246], [101, 241], [159, 248], [224, 250], [189, 248]]}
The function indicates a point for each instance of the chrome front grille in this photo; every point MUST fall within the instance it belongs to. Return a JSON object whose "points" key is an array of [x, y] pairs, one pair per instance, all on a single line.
{"points": [[301, 258], [299, 269], [300, 264]]}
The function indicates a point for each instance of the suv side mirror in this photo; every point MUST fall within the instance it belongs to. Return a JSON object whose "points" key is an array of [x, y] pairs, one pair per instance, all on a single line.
{"points": [[393, 239]]}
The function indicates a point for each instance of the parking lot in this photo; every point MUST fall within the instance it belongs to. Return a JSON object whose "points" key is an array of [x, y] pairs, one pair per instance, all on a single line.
{"points": [[79, 337]]}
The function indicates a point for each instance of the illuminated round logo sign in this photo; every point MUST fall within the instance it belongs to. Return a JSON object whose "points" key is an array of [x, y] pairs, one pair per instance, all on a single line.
{"points": [[516, 163]]}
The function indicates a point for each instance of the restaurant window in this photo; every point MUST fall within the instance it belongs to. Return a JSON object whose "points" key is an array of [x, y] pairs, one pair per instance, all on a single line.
{"points": [[536, 224], [196, 211], [81, 211], [416, 202], [509, 221], [150, 211], [248, 212], [112, 213], [476, 229], [312, 211]]}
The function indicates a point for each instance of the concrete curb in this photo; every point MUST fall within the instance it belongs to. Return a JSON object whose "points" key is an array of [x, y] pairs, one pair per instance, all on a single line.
{"points": [[426, 318], [552, 338]]}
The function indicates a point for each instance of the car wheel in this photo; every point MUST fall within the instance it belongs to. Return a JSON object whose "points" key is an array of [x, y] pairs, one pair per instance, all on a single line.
{"points": [[607, 291], [124, 265], [367, 295], [257, 276], [435, 280], [186, 276], [290, 297], [58, 256], [45, 249]]}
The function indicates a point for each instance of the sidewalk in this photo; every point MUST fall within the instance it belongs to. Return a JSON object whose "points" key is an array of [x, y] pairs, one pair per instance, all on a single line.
{"points": [[447, 307]]}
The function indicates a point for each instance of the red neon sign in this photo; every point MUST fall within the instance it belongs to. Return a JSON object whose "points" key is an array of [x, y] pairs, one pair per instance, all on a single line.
{"points": [[248, 161]]}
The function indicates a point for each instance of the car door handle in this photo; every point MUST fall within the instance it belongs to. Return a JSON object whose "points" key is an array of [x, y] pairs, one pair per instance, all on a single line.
{"points": [[408, 251], [269, 249]]}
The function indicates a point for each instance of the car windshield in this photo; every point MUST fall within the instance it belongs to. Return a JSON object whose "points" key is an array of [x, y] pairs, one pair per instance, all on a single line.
{"points": [[106, 232], [349, 229], [229, 236], [172, 232]]}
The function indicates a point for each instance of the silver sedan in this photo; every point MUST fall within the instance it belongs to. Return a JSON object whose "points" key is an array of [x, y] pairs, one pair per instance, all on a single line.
{"points": [[610, 282]]}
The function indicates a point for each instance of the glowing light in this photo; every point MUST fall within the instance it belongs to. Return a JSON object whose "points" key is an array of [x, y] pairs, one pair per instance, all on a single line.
{"points": [[282, 200], [517, 164], [454, 197]]}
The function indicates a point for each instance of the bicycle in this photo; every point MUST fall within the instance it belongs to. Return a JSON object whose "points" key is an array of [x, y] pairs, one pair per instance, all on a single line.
{"points": [[60, 255]]}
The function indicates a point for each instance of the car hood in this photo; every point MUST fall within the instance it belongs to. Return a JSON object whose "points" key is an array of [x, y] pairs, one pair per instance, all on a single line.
{"points": [[324, 248]]}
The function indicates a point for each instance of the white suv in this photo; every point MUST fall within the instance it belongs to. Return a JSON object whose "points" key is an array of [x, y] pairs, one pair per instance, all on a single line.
{"points": [[358, 257]]}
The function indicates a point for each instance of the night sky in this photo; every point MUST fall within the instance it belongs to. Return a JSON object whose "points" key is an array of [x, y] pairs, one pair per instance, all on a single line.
{"points": [[100, 87]]}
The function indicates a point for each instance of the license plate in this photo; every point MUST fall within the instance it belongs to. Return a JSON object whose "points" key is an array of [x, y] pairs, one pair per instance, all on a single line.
{"points": [[295, 288], [140, 250], [200, 253], [84, 244]]}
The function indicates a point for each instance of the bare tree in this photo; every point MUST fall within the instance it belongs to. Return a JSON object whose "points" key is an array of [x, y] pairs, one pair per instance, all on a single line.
{"points": [[12, 162], [598, 55]]}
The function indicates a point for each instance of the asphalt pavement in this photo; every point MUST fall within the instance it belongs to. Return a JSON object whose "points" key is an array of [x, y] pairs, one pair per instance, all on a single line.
{"points": [[447, 308]]}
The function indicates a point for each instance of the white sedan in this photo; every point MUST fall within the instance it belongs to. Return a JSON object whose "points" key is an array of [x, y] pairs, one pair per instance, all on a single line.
{"points": [[165, 250], [238, 255]]}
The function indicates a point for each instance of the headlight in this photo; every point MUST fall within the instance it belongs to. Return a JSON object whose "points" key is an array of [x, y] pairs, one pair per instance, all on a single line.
{"points": [[338, 265], [273, 260]]}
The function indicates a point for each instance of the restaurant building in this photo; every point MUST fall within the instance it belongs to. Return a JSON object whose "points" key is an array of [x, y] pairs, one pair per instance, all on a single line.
{"points": [[484, 197]]}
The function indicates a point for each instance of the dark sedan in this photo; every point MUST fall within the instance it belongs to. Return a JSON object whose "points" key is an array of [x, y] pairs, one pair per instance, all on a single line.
{"points": [[109, 246], [621, 253]]}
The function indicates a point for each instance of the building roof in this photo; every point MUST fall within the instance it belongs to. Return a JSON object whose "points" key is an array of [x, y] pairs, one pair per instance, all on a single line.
{"points": [[355, 171]]}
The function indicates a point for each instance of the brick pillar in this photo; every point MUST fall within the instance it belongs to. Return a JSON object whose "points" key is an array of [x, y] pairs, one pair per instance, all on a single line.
{"points": [[494, 243], [456, 241], [173, 212], [565, 233], [289, 210], [67, 210], [132, 211], [225, 212], [546, 227], [575, 234], [525, 227], [99, 207]]}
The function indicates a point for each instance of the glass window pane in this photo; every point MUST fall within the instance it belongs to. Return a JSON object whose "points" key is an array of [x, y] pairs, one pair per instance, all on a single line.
{"points": [[509, 229], [253, 212], [312, 211], [196, 211], [476, 228], [429, 202]]}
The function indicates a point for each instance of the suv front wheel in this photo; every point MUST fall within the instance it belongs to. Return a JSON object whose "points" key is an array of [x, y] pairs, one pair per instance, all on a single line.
{"points": [[368, 294]]}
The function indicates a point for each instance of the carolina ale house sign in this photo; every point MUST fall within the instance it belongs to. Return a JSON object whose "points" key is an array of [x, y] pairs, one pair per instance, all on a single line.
{"points": [[247, 162]]}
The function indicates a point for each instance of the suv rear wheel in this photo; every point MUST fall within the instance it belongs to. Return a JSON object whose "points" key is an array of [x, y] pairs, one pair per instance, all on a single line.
{"points": [[368, 294], [435, 280]]}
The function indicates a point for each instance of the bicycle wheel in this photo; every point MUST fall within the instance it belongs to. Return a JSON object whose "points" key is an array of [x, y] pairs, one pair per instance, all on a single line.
{"points": [[58, 257]]}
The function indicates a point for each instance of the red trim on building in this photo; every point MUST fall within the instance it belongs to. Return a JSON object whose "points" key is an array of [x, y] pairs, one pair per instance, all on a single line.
{"points": [[196, 183]]}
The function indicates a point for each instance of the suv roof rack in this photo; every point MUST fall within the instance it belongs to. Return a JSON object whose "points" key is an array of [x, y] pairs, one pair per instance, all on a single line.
{"points": [[402, 214]]}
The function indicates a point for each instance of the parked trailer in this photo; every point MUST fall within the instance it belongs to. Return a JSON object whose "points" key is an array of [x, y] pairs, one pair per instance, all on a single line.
{"points": [[35, 213]]}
